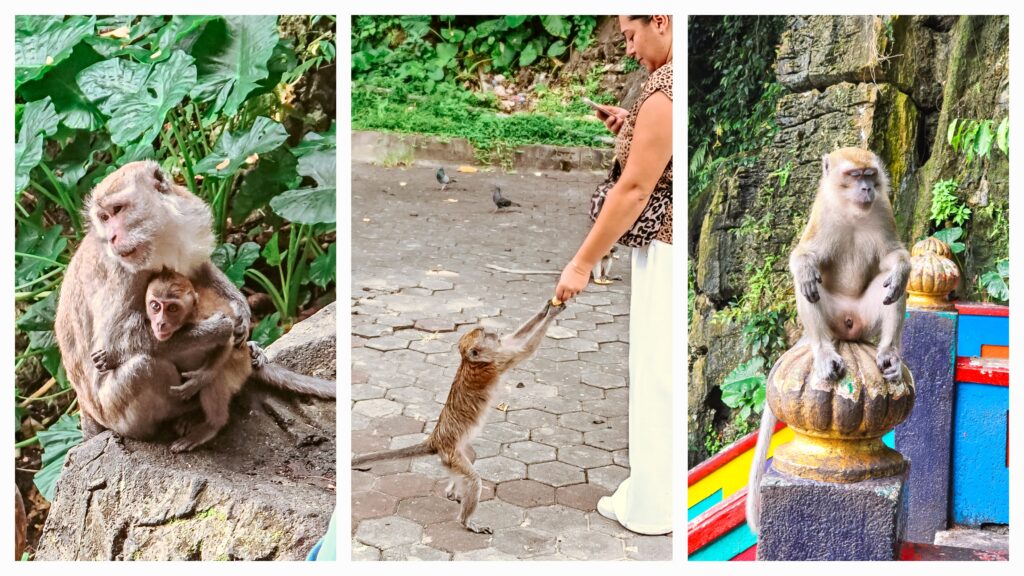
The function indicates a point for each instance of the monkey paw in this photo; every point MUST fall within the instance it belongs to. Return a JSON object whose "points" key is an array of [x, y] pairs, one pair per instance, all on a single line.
{"points": [[182, 445], [889, 363], [257, 356], [101, 361], [478, 529], [829, 366], [193, 382], [896, 287], [807, 281]]}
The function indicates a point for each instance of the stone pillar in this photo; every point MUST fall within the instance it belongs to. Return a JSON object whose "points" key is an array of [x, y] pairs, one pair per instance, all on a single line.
{"points": [[929, 349], [804, 519]]}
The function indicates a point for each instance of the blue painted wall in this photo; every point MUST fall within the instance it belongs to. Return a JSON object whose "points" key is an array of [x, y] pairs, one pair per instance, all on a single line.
{"points": [[981, 479], [977, 330]]}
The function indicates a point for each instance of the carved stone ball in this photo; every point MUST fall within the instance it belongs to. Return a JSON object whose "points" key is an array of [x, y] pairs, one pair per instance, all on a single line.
{"points": [[932, 245]]}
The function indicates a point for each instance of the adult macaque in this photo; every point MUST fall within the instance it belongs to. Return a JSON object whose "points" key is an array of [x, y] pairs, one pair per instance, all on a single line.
{"points": [[850, 271], [141, 222], [177, 310], [485, 357]]}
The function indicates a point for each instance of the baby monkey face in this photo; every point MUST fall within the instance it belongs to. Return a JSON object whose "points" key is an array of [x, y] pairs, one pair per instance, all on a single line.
{"points": [[479, 345]]}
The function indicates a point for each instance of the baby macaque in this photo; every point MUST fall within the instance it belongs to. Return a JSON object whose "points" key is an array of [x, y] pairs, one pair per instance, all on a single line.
{"points": [[603, 268], [485, 357], [175, 306]]}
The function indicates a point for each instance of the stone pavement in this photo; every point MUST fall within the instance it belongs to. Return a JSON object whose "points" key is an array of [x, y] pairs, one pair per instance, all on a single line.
{"points": [[557, 441]]}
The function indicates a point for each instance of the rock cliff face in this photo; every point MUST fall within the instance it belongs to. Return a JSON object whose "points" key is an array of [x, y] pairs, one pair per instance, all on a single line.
{"points": [[891, 84]]}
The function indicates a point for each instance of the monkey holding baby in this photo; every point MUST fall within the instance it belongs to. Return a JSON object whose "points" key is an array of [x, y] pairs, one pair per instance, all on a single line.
{"points": [[127, 375], [484, 358], [850, 271]]}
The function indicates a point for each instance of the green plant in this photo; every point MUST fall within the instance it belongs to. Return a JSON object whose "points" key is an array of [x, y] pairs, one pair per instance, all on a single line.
{"points": [[946, 206], [951, 237], [995, 283], [712, 439], [212, 100], [975, 137], [744, 388]]}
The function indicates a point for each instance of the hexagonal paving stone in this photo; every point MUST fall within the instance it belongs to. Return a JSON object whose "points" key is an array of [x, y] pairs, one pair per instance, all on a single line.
{"points": [[531, 418], [597, 317], [410, 395], [557, 405], [621, 457], [607, 408], [557, 354], [560, 333], [496, 515], [581, 496], [404, 485], [581, 392], [429, 466], [362, 552], [366, 392], [557, 520], [555, 473], [579, 325], [592, 299], [377, 408], [524, 542], [372, 505], [362, 481], [422, 411], [453, 537], [500, 469], [371, 330], [525, 493], [588, 545], [584, 456], [607, 476], [529, 452], [583, 421], [428, 509], [600, 379], [365, 441], [384, 533], [608, 439], [483, 554], [486, 490], [415, 552], [436, 284], [579, 345], [649, 548], [485, 448], [396, 426], [435, 325], [605, 333], [386, 343], [504, 432], [556, 436]]}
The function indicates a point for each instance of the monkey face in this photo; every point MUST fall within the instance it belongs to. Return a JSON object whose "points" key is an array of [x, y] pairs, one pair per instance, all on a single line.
{"points": [[170, 301], [855, 174], [479, 345]]}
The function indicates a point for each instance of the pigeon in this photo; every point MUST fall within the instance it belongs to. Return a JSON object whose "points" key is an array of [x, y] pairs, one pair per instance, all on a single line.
{"points": [[443, 179], [500, 201]]}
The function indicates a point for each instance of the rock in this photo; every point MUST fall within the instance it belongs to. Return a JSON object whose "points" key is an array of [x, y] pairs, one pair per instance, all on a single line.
{"points": [[264, 489]]}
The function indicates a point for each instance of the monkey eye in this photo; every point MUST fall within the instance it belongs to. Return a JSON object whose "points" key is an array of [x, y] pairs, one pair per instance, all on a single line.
{"points": [[854, 173], [154, 306], [869, 172], [172, 308], [116, 209], [104, 217]]}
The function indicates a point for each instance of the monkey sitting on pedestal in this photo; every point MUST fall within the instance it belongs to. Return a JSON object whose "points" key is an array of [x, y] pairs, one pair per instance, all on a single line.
{"points": [[850, 270], [485, 357], [212, 364]]}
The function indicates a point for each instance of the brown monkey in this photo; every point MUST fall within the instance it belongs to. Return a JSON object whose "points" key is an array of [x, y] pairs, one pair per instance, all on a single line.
{"points": [[175, 307], [850, 270], [140, 222], [485, 357]]}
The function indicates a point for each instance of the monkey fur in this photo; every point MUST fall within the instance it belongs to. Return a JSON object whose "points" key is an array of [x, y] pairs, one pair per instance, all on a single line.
{"points": [[850, 271], [178, 309], [140, 222], [485, 357]]}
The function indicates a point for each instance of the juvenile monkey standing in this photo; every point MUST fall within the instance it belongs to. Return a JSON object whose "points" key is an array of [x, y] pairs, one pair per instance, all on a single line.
{"points": [[140, 221], [217, 370], [850, 270], [485, 357]]}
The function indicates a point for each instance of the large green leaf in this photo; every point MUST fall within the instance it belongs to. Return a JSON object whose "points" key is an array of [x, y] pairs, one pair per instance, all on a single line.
{"points": [[38, 120], [235, 147], [235, 261], [324, 268], [137, 97], [177, 31], [555, 25], [39, 316], [267, 330], [275, 173], [34, 239], [42, 42], [76, 111], [311, 205], [313, 142], [64, 435], [232, 58]]}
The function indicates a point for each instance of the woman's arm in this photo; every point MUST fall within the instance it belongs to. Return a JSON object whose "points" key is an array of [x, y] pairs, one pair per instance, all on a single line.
{"points": [[650, 153]]}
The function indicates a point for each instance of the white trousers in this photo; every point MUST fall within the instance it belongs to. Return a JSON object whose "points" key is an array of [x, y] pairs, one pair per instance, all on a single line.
{"points": [[643, 502]]}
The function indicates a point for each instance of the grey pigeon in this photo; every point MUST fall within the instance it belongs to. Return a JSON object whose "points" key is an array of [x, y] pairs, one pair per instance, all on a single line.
{"points": [[500, 201], [443, 179]]}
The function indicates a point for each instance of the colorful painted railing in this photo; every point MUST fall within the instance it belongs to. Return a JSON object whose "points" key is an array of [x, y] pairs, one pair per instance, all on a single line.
{"points": [[717, 488]]}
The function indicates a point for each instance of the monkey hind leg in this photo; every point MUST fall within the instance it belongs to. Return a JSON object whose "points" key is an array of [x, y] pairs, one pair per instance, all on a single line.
{"points": [[472, 486], [816, 318], [884, 323], [216, 403]]}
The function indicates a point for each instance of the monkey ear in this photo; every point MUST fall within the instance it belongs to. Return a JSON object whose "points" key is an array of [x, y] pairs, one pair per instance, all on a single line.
{"points": [[824, 165], [162, 183]]}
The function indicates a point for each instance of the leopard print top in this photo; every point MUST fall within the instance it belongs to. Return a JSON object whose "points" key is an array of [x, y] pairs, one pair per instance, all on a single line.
{"points": [[659, 81]]}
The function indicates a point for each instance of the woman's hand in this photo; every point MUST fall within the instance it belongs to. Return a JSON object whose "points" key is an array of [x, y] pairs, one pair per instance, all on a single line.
{"points": [[573, 280], [613, 117]]}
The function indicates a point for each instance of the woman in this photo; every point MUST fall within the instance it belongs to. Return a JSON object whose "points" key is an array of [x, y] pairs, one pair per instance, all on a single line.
{"points": [[643, 146]]}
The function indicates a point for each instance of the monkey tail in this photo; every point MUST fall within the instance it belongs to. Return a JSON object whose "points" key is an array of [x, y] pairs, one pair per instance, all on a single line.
{"points": [[415, 450], [280, 377], [764, 440]]}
